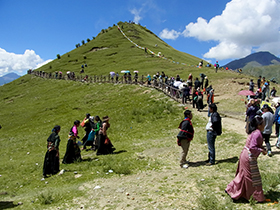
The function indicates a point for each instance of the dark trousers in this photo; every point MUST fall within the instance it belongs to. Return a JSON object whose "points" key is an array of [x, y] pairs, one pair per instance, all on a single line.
{"points": [[185, 98], [211, 137], [266, 138], [277, 128]]}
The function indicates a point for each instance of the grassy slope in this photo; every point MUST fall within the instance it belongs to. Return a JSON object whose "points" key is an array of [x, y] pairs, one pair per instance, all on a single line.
{"points": [[29, 113], [118, 54], [141, 119], [265, 71]]}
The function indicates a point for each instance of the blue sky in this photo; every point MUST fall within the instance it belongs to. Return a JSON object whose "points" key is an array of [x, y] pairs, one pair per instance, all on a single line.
{"points": [[33, 32]]}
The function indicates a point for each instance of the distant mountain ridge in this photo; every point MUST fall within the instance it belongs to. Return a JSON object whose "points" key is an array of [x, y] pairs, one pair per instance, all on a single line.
{"points": [[8, 78], [254, 60]]}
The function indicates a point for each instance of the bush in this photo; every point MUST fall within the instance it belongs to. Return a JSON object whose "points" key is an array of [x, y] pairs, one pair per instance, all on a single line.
{"points": [[48, 197], [58, 56], [83, 42], [88, 40]]}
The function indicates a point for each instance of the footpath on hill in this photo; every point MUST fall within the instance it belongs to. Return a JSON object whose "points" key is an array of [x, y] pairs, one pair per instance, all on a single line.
{"points": [[172, 187], [169, 188]]}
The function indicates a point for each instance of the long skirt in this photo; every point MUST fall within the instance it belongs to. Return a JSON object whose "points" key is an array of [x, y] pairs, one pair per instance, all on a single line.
{"points": [[51, 163], [102, 148], [247, 181], [73, 152]]}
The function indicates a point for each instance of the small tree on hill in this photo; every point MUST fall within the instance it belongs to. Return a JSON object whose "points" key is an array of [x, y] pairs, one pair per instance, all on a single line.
{"points": [[58, 56], [88, 40], [93, 37], [83, 42]]}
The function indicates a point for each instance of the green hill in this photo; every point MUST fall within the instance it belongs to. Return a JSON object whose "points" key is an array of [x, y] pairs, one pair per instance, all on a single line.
{"points": [[144, 125], [269, 72], [111, 51]]}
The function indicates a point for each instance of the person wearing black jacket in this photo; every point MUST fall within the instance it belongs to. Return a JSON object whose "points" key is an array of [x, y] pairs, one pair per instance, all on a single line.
{"points": [[185, 136], [51, 162], [196, 83], [214, 129]]}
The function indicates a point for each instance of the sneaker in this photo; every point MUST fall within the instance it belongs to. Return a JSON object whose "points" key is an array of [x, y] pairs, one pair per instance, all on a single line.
{"points": [[184, 165], [269, 153]]}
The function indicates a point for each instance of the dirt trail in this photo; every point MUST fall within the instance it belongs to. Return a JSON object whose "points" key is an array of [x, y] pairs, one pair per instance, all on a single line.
{"points": [[152, 189], [168, 188]]}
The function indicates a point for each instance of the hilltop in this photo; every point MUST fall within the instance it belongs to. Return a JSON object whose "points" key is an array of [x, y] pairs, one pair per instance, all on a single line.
{"points": [[8, 78], [256, 59], [259, 63], [111, 51]]}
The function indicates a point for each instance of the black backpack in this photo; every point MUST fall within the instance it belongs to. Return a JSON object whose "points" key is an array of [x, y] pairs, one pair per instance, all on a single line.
{"points": [[218, 125]]}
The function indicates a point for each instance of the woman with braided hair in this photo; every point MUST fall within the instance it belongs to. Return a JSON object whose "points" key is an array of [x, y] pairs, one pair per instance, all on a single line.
{"points": [[51, 162]]}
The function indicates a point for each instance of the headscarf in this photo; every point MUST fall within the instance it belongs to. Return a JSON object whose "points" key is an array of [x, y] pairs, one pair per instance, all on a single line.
{"points": [[56, 128]]}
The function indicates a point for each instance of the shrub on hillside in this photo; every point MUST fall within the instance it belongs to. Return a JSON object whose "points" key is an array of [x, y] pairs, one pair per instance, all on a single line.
{"points": [[58, 56]]}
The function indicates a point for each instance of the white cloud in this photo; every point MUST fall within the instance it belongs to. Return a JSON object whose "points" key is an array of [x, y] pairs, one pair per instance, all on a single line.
{"points": [[243, 26], [19, 63], [166, 34], [136, 13], [43, 63]]}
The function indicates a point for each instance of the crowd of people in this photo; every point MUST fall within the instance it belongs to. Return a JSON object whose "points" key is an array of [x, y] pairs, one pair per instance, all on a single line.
{"points": [[260, 119], [95, 136], [263, 89]]}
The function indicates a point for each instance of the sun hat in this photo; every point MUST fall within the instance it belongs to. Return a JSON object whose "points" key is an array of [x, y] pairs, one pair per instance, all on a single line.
{"points": [[106, 118], [265, 106]]}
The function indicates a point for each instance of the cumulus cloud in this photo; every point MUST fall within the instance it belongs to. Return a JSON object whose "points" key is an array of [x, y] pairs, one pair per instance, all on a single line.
{"points": [[166, 34], [244, 26], [136, 13], [19, 63]]}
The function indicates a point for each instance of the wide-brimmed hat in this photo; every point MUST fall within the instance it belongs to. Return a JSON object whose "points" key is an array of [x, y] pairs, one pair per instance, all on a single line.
{"points": [[106, 118], [265, 106]]}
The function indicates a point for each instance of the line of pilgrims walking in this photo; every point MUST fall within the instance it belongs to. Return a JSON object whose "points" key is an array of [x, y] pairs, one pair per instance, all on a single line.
{"points": [[96, 129], [95, 137]]}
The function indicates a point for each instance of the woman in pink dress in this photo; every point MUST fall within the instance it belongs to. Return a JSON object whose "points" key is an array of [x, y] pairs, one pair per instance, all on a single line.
{"points": [[247, 181]]}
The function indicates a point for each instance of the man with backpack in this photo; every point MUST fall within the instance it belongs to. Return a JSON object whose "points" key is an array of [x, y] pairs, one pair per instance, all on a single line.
{"points": [[214, 129], [185, 136]]}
